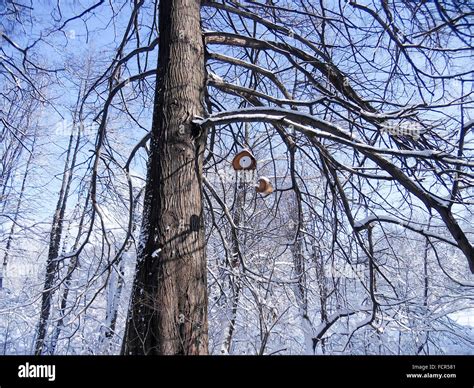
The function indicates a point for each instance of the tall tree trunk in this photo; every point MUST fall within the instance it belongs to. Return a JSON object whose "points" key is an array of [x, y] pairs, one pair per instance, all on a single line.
{"points": [[168, 311], [16, 214], [295, 234], [114, 292], [423, 347], [56, 233], [116, 282], [73, 264], [318, 260], [299, 289], [235, 280]]}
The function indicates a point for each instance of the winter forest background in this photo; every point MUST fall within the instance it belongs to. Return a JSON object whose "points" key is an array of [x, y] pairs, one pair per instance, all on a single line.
{"points": [[359, 113]]}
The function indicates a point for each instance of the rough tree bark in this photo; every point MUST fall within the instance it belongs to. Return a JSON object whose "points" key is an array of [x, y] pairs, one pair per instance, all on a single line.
{"points": [[168, 311]]}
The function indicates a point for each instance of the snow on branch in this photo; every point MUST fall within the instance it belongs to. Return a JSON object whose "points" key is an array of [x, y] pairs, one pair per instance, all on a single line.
{"points": [[313, 127], [365, 223]]}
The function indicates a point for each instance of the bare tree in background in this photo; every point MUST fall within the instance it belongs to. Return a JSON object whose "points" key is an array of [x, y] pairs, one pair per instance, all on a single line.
{"points": [[358, 114]]}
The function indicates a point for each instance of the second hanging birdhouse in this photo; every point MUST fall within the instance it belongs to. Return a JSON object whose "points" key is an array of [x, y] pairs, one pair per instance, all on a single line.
{"points": [[264, 186], [244, 160]]}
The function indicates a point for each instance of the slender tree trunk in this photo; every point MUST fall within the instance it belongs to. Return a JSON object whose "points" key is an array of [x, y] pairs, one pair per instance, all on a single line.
{"points": [[73, 264], [55, 237], [297, 222], [3, 269], [116, 281], [114, 291], [423, 347], [168, 312], [299, 289], [62, 312], [235, 280], [323, 294]]}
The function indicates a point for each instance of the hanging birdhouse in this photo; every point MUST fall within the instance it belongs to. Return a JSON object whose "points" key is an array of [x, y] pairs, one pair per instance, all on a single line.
{"points": [[244, 160], [264, 186]]}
